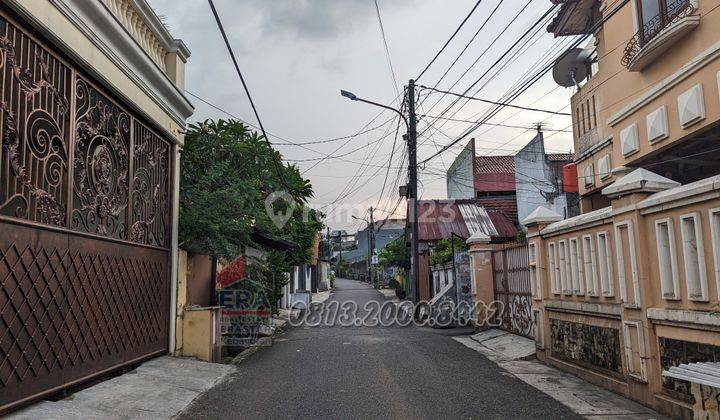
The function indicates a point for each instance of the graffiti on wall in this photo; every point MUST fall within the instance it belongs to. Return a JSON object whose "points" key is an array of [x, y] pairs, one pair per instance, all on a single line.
{"points": [[590, 345]]}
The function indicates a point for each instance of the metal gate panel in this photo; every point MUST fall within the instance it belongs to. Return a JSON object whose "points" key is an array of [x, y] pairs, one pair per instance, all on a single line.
{"points": [[84, 225], [511, 273]]}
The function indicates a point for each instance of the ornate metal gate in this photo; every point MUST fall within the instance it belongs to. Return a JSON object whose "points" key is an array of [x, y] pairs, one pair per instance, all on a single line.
{"points": [[511, 272], [84, 225]]}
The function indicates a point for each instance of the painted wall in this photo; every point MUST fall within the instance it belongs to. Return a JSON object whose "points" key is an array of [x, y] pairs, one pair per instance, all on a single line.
{"points": [[621, 98], [537, 183], [460, 174], [655, 329]]}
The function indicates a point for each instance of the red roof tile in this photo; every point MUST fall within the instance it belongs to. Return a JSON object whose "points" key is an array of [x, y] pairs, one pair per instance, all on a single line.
{"points": [[494, 173], [507, 206], [560, 157]]}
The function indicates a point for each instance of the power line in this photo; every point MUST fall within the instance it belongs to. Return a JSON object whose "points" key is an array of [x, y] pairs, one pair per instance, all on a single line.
{"points": [[503, 104], [495, 39], [528, 83], [247, 91], [387, 50], [492, 124], [469, 43], [286, 142], [449, 39]]}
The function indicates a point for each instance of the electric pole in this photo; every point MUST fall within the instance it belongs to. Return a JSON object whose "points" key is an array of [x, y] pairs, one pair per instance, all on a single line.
{"points": [[371, 240], [413, 192]]}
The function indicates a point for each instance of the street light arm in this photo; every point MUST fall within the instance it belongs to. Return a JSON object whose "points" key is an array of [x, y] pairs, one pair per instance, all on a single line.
{"points": [[407, 124], [354, 97]]}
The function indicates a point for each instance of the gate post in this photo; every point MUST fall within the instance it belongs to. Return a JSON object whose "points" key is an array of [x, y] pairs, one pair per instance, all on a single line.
{"points": [[482, 278]]}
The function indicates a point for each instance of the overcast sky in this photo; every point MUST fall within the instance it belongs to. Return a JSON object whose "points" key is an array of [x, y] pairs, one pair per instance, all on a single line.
{"points": [[296, 55]]}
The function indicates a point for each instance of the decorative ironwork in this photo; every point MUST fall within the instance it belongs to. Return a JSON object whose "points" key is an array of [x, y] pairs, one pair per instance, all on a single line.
{"points": [[674, 12], [35, 129], [101, 164], [150, 188], [511, 272], [75, 303]]}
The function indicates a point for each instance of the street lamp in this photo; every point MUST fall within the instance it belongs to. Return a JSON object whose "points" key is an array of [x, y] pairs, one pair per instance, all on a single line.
{"points": [[412, 195], [354, 97]]}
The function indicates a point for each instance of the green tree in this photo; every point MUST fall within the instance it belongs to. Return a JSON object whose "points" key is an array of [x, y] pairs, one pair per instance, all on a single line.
{"points": [[226, 174], [395, 254], [442, 252]]}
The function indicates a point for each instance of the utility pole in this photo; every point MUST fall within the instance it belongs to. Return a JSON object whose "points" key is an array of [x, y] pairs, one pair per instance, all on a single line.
{"points": [[371, 245], [329, 244], [413, 192]]}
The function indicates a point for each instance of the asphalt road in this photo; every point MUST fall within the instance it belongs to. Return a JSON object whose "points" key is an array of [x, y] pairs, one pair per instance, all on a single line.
{"points": [[371, 372]]}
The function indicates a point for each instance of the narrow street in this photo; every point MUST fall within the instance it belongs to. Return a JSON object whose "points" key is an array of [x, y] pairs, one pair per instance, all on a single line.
{"points": [[355, 372]]}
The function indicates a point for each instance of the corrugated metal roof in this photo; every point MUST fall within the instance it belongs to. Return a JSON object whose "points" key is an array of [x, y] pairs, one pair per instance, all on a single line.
{"points": [[477, 219], [439, 219], [504, 226]]}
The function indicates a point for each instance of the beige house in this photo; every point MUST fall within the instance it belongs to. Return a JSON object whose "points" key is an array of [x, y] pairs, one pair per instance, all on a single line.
{"points": [[92, 111], [631, 287]]}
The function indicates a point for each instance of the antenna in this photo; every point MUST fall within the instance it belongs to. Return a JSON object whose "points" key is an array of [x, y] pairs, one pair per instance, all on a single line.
{"points": [[571, 68]]}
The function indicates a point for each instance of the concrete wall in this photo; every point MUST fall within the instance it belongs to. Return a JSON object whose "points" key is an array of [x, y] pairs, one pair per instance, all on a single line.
{"points": [[623, 336], [460, 175], [536, 182]]}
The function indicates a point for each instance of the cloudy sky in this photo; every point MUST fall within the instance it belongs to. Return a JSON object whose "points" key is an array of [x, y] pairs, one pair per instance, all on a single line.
{"points": [[296, 55]]}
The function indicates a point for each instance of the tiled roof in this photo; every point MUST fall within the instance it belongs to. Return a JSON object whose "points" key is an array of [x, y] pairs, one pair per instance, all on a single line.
{"points": [[560, 157], [494, 164], [507, 206], [494, 173]]}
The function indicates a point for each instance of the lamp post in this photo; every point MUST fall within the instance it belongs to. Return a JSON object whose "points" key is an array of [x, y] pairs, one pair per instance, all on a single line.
{"points": [[412, 195]]}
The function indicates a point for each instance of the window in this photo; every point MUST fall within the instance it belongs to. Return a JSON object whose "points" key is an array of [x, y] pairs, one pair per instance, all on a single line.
{"points": [[715, 232], [552, 268], [564, 268], [655, 15], [694, 257], [635, 350], [594, 113], [605, 265], [627, 263], [589, 114], [667, 259], [589, 264], [575, 273]]}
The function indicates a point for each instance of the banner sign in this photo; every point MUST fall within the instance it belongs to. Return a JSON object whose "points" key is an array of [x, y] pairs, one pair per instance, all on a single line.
{"points": [[246, 315]]}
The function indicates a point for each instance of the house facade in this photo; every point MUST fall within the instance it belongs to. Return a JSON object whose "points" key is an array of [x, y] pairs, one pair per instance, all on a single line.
{"points": [[91, 116], [630, 288], [514, 184]]}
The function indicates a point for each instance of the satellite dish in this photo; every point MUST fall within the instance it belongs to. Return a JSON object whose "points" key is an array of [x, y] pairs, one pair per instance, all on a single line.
{"points": [[571, 69]]}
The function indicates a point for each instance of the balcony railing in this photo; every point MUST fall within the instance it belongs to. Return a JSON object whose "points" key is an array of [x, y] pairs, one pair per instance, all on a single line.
{"points": [[674, 12]]}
